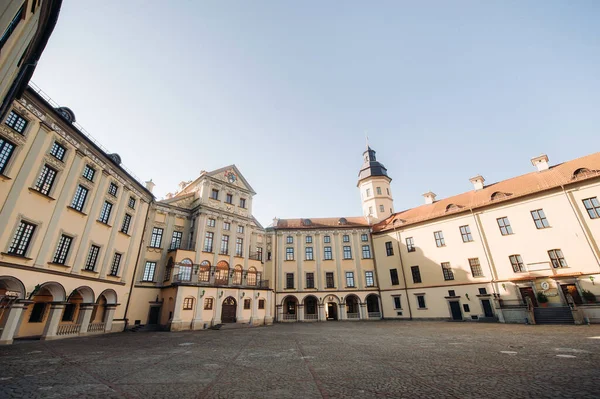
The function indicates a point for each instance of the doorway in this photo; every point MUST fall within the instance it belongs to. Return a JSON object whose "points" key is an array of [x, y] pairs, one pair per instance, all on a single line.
{"points": [[228, 310], [455, 311], [527, 292], [154, 315], [331, 311], [487, 308], [572, 290]]}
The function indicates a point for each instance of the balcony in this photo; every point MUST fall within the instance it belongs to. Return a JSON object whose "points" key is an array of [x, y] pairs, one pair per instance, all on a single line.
{"points": [[213, 277], [256, 256]]}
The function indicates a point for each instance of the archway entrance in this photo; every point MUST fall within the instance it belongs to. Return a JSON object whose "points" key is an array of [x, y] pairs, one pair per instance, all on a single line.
{"points": [[332, 311], [373, 306], [228, 310], [352, 311], [311, 308]]}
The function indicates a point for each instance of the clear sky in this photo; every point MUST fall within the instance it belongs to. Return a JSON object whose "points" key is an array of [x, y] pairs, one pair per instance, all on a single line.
{"points": [[287, 89]]}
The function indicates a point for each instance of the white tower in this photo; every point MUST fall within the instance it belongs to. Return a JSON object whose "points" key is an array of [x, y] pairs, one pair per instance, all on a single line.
{"points": [[375, 191]]}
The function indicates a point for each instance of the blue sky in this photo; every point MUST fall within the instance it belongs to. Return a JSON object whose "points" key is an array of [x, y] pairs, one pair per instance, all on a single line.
{"points": [[286, 90]]}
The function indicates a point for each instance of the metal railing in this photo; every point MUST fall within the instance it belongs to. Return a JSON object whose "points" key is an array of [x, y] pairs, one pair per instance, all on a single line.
{"points": [[289, 317], [311, 317], [374, 315], [68, 329], [352, 316], [256, 256], [96, 327], [212, 276]]}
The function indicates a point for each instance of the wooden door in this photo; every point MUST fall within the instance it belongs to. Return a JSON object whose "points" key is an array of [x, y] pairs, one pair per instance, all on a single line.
{"points": [[154, 314], [487, 308], [527, 292], [455, 310], [572, 290], [228, 310]]}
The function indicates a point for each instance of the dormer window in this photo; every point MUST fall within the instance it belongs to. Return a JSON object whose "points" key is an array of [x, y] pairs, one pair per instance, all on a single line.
{"points": [[306, 222], [342, 221], [583, 172]]}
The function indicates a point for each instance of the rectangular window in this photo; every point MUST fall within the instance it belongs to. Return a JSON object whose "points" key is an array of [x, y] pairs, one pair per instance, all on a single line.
{"points": [[131, 203], [389, 248], [397, 303], [327, 254], [309, 253], [439, 239], [381, 208], [62, 250], [239, 247], [451, 293], [176, 240], [539, 218], [289, 281], [557, 258], [126, 223], [289, 253], [105, 213], [156, 239], [14, 120], [259, 253], [368, 192], [504, 226], [447, 270], [378, 190], [410, 244], [208, 304], [240, 229], [369, 279], [45, 180], [261, 303], [90, 263], [329, 280], [475, 267], [37, 313], [246, 304], [416, 274], [149, 271], [79, 200], [242, 202], [114, 268], [89, 172], [308, 239], [214, 194], [211, 222], [208, 241], [349, 279], [517, 263], [347, 252], [394, 277], [229, 198], [592, 206], [58, 151], [6, 151], [326, 239], [364, 237], [482, 291], [224, 245], [465, 232], [289, 240], [346, 238], [310, 280], [21, 240], [112, 189], [421, 301], [366, 252], [226, 226], [188, 303]]}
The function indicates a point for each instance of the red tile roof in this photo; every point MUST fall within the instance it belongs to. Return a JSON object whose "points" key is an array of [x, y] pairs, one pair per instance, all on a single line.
{"points": [[587, 167]]}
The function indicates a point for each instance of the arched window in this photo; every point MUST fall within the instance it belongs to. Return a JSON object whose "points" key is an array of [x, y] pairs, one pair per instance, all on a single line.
{"points": [[251, 279], [169, 269], [222, 273], [237, 275], [306, 222], [498, 195], [188, 303], [582, 173], [452, 207], [185, 270], [342, 221], [204, 274]]}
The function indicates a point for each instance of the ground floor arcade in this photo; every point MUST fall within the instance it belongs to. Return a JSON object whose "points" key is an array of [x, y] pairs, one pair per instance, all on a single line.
{"points": [[328, 306]]}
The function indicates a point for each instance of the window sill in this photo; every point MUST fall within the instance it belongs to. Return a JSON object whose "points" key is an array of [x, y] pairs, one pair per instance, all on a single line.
{"points": [[104, 224], [125, 234], [239, 256], [57, 158], [327, 260], [330, 288], [412, 250], [350, 286], [309, 260], [150, 247], [33, 190], [146, 281], [421, 308], [15, 256], [77, 211], [348, 259], [89, 271], [59, 264], [370, 286], [366, 258], [113, 275], [3, 177], [289, 288], [289, 260]]}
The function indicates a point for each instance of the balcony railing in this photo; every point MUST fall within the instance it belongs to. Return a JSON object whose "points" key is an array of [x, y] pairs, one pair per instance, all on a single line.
{"points": [[214, 277], [311, 317], [352, 316], [374, 315], [256, 256], [183, 246], [68, 329]]}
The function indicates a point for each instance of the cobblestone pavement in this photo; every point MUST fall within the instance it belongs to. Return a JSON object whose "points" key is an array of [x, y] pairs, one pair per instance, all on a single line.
{"points": [[325, 360]]}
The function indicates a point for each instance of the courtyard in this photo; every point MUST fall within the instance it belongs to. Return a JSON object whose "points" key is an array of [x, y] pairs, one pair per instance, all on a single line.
{"points": [[313, 360]]}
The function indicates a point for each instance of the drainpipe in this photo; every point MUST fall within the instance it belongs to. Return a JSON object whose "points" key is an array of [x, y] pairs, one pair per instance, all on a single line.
{"points": [[137, 262], [402, 268], [487, 256]]}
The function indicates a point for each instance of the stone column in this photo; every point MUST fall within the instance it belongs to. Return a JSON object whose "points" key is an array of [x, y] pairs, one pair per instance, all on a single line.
{"points": [[197, 323], [268, 305], [342, 311], [363, 314], [239, 309], [254, 318], [54, 316], [176, 320], [322, 312], [109, 315], [85, 315], [218, 307], [300, 315], [13, 321]]}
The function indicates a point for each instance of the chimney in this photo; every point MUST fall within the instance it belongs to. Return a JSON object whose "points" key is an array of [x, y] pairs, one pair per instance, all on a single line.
{"points": [[275, 221], [150, 185], [429, 197], [477, 182], [541, 162]]}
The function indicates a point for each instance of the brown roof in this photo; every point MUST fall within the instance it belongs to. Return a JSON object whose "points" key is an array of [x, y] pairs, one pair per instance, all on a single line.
{"points": [[579, 169], [316, 223]]}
